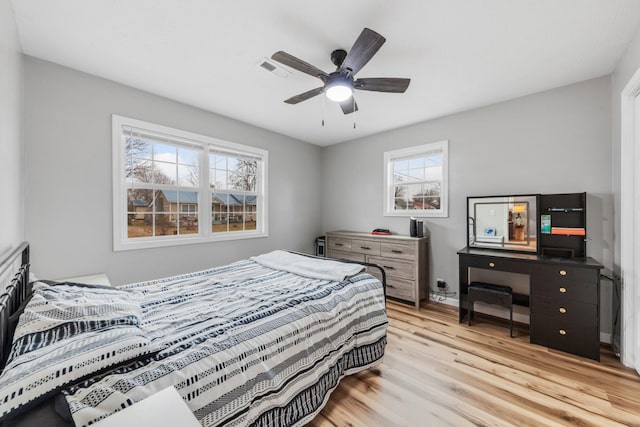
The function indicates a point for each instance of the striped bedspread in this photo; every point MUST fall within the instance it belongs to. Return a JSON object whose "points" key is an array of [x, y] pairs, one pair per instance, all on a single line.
{"points": [[245, 344]]}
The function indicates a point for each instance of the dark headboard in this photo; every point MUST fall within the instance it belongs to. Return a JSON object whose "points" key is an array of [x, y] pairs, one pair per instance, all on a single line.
{"points": [[15, 268]]}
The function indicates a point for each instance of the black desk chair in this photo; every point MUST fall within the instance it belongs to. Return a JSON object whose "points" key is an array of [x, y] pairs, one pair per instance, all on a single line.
{"points": [[491, 294]]}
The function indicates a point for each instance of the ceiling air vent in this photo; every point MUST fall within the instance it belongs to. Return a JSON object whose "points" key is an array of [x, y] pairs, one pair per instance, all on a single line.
{"points": [[273, 67]]}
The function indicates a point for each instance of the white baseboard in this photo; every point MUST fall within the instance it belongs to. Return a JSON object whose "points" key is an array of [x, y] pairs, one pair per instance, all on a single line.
{"points": [[445, 300]]}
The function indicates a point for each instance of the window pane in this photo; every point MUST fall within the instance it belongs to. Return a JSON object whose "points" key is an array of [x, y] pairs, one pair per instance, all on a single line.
{"points": [[188, 156], [164, 173], [138, 170], [232, 163], [188, 176], [433, 173], [219, 212], [432, 202], [220, 179], [165, 153], [165, 224], [244, 177], [158, 202], [431, 189], [188, 223], [250, 207], [236, 210], [219, 162], [139, 200], [416, 174], [400, 166], [140, 225], [136, 147], [416, 163]]}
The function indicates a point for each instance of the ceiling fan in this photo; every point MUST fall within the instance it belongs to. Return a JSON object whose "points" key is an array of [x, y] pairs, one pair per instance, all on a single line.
{"points": [[340, 84]]}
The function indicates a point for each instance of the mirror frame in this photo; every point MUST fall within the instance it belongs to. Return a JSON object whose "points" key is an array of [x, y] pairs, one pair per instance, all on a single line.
{"points": [[531, 221]]}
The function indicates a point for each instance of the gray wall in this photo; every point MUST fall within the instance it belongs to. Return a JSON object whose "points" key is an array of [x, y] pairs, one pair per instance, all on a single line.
{"points": [[11, 151], [551, 142], [68, 189]]}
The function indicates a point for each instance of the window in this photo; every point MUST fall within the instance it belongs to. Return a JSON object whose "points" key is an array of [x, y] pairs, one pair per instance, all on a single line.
{"points": [[173, 187], [416, 181]]}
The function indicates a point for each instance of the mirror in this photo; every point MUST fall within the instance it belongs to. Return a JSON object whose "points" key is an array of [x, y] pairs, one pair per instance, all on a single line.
{"points": [[503, 222]]}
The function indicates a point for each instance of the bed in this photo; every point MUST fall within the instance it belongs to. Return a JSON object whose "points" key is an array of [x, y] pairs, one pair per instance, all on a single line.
{"points": [[259, 342]]}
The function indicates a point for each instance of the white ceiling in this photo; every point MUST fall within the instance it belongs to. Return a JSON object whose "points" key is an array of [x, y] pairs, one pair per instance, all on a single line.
{"points": [[459, 54]]}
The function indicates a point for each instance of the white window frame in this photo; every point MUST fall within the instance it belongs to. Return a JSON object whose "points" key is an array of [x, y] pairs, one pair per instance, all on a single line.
{"points": [[421, 150], [207, 144]]}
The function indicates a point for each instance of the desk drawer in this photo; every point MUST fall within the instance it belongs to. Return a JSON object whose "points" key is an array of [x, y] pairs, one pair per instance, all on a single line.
{"points": [[500, 264], [398, 250], [564, 274], [365, 247], [396, 268]]}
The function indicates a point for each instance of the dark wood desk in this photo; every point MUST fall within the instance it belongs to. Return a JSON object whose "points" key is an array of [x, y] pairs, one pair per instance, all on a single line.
{"points": [[563, 300]]}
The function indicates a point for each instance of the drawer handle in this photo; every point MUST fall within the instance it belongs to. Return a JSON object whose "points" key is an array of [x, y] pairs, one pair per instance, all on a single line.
{"points": [[390, 286], [339, 244], [491, 265], [388, 267], [563, 272], [562, 310], [562, 332], [366, 248], [563, 290], [396, 251]]}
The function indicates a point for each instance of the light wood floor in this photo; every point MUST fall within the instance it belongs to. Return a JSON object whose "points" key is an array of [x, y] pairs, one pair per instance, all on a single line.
{"points": [[437, 372]]}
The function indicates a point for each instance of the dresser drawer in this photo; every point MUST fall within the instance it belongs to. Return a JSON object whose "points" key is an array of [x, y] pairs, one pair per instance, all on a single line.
{"points": [[396, 288], [339, 244], [398, 250], [395, 267], [563, 290], [578, 334], [402, 289], [499, 264], [345, 255], [554, 313], [365, 247]]}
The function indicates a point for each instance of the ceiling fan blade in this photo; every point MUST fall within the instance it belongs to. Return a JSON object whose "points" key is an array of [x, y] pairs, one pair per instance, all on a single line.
{"points": [[363, 50], [298, 64], [304, 96], [382, 84], [349, 106]]}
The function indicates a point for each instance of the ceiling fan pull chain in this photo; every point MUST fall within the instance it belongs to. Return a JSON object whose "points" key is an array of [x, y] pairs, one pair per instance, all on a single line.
{"points": [[354, 111], [323, 111]]}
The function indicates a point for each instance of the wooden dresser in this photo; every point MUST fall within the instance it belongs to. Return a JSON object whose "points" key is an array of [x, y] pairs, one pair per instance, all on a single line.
{"points": [[404, 259]]}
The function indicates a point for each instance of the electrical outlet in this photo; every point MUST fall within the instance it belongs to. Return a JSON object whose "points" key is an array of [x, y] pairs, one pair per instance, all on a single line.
{"points": [[441, 283]]}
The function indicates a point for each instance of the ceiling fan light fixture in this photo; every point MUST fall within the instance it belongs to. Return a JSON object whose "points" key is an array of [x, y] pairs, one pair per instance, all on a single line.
{"points": [[338, 91]]}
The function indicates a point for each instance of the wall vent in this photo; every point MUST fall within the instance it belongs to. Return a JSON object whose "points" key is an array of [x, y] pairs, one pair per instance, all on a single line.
{"points": [[273, 67]]}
